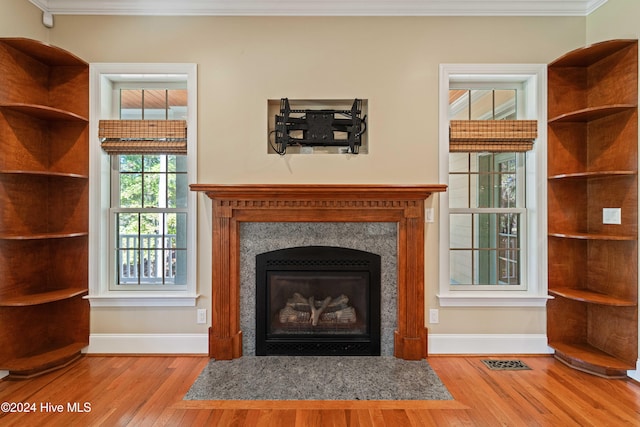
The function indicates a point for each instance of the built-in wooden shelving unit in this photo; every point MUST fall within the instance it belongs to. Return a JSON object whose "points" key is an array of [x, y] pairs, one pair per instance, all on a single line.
{"points": [[44, 193], [592, 320]]}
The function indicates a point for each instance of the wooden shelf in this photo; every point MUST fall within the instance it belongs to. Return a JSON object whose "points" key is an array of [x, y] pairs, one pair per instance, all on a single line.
{"points": [[42, 298], [589, 55], [39, 363], [592, 113], [590, 359], [591, 236], [592, 297], [43, 52], [44, 174], [43, 236], [44, 112], [593, 175]]}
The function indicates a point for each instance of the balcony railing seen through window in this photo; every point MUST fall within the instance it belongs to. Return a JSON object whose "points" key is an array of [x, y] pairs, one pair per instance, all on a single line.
{"points": [[149, 259]]}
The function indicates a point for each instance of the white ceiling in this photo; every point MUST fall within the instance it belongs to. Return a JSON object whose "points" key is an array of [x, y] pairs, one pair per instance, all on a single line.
{"points": [[321, 7]]}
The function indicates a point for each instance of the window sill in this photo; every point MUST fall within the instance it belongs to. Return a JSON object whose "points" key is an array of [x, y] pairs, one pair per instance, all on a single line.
{"points": [[472, 299], [142, 300]]}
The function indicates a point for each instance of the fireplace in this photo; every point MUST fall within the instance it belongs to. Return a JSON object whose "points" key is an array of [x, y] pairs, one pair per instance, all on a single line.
{"points": [[233, 205], [318, 300]]}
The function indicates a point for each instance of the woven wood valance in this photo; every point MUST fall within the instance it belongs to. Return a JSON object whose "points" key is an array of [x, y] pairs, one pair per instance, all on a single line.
{"points": [[492, 135], [143, 136]]}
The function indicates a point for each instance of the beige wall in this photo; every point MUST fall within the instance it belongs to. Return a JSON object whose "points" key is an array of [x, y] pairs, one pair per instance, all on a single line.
{"points": [[243, 62], [616, 19], [19, 18]]}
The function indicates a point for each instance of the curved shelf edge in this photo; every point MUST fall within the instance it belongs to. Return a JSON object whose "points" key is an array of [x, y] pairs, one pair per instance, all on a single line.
{"points": [[591, 236], [43, 298], [44, 112], [41, 363], [44, 173], [593, 174], [43, 236], [592, 297], [43, 52], [591, 113], [591, 54], [587, 358]]}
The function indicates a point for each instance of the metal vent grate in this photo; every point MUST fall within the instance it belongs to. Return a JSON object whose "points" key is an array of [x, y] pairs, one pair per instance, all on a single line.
{"points": [[320, 349], [506, 365], [317, 262]]}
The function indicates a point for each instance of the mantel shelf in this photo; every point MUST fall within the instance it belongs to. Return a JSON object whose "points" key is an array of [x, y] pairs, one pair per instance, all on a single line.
{"points": [[592, 113], [592, 297], [42, 298], [44, 112], [318, 191]]}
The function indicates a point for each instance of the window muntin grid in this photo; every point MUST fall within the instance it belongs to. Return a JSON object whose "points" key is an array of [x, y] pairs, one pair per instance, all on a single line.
{"points": [[486, 201]]}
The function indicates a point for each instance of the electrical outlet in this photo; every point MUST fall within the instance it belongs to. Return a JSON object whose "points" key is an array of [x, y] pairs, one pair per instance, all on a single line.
{"points": [[201, 315], [433, 315]]}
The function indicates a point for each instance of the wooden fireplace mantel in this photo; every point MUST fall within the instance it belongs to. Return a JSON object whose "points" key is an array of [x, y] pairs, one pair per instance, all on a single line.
{"points": [[234, 204]]}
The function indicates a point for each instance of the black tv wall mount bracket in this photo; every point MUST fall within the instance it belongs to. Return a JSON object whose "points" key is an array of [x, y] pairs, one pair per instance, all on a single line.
{"points": [[325, 127]]}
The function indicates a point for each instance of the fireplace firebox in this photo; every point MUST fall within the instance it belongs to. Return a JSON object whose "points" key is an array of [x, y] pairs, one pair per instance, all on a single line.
{"points": [[318, 300]]}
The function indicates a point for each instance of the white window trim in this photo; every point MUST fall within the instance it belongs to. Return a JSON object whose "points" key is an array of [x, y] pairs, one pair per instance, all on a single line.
{"points": [[536, 293], [99, 293]]}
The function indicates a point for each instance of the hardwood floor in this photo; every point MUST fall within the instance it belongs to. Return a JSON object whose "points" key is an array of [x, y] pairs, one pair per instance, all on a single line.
{"points": [[146, 391]]}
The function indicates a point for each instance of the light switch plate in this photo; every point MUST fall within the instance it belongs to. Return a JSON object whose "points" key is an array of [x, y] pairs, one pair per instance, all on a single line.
{"points": [[201, 316], [428, 215], [434, 315], [611, 216]]}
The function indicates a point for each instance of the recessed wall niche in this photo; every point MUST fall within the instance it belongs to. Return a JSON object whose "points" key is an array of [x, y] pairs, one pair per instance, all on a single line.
{"points": [[297, 105]]}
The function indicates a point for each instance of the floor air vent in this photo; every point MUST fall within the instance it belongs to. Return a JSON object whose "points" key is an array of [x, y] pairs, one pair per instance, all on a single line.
{"points": [[505, 365]]}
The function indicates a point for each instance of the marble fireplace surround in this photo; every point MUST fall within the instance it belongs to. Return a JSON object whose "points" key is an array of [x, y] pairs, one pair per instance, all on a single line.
{"points": [[234, 204]]}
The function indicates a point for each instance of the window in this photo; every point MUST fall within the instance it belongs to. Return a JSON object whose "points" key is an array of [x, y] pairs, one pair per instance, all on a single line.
{"points": [[485, 213], [486, 202], [143, 209], [149, 199], [149, 212], [491, 214]]}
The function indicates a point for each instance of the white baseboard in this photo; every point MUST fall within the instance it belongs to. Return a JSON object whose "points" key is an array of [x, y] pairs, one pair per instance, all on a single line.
{"points": [[148, 344], [199, 344], [488, 344], [635, 375], [438, 344]]}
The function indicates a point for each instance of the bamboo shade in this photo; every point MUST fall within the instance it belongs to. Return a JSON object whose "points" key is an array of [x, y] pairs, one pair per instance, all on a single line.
{"points": [[143, 136], [492, 135]]}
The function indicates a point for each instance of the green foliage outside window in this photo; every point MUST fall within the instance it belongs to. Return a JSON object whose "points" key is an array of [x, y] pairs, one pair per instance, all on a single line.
{"points": [[150, 181]]}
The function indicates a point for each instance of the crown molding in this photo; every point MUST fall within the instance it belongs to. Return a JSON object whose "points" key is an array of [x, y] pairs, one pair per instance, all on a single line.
{"points": [[320, 7]]}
